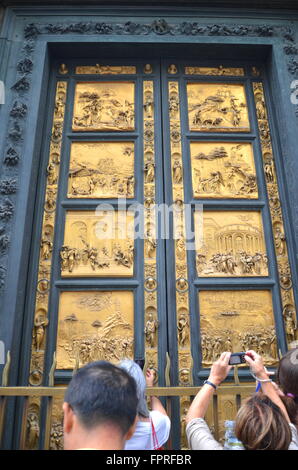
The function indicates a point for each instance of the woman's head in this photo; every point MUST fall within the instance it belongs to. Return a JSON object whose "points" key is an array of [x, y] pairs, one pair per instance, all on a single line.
{"points": [[136, 372], [287, 378], [261, 425]]}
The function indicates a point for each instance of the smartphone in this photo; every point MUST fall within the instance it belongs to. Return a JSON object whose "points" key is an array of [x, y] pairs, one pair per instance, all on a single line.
{"points": [[237, 358]]}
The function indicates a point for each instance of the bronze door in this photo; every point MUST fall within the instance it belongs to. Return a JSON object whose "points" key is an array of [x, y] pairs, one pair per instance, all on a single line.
{"points": [[228, 275], [160, 224]]}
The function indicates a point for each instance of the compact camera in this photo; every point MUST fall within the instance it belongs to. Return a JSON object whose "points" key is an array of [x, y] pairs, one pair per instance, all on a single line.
{"points": [[237, 358]]}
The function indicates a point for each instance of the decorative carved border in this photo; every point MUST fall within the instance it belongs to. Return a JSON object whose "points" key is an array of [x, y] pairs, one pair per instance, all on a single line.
{"points": [[47, 238], [160, 27], [182, 284], [280, 243], [12, 155], [150, 243], [185, 361]]}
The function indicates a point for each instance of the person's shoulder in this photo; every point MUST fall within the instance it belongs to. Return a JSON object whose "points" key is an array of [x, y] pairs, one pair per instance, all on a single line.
{"points": [[197, 423], [294, 442], [158, 417]]}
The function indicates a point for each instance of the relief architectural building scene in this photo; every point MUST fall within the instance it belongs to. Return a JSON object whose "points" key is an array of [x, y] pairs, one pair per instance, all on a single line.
{"points": [[98, 244], [232, 244]]}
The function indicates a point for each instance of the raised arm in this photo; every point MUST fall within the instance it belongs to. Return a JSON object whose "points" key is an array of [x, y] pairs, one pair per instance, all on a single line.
{"points": [[156, 404], [261, 374], [218, 373]]}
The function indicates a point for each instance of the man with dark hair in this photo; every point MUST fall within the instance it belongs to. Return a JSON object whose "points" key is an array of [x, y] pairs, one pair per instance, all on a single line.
{"points": [[100, 408]]}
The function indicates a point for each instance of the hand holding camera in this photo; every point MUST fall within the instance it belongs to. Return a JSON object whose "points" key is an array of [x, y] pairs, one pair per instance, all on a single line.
{"points": [[256, 365], [220, 369]]}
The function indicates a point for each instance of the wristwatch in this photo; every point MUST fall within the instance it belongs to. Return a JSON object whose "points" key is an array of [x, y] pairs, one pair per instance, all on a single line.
{"points": [[210, 383]]}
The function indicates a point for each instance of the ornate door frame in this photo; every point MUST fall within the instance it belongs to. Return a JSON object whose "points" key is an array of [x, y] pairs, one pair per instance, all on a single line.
{"points": [[24, 76]]}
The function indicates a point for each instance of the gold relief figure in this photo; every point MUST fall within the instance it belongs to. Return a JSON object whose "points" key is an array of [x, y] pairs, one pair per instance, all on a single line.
{"points": [[46, 243], [233, 244], [63, 70], [70, 258], [59, 107], [94, 326], [32, 431], [97, 244], [104, 106], [182, 328], [149, 104], [177, 172], [124, 258], [180, 249], [50, 203], [151, 244], [57, 132], [279, 239], [260, 105], [52, 174], [148, 69], [101, 170], [215, 106], [237, 321], [289, 315], [150, 330], [173, 104], [172, 69], [285, 278], [40, 323], [149, 172], [224, 170], [255, 71], [201, 262], [184, 377]]}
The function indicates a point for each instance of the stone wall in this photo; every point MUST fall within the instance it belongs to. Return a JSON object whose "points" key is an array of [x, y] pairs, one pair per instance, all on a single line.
{"points": [[1, 16]]}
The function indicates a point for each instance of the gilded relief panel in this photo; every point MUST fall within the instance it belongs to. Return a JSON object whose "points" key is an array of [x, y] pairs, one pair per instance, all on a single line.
{"points": [[237, 321], [101, 170], [98, 244], [94, 326], [232, 244], [103, 69], [217, 107], [223, 170], [104, 106], [217, 71]]}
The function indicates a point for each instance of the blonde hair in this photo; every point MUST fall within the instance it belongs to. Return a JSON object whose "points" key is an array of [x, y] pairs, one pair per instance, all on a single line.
{"points": [[261, 425]]}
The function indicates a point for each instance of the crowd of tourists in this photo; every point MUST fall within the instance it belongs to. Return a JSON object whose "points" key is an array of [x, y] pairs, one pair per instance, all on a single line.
{"points": [[106, 408]]}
